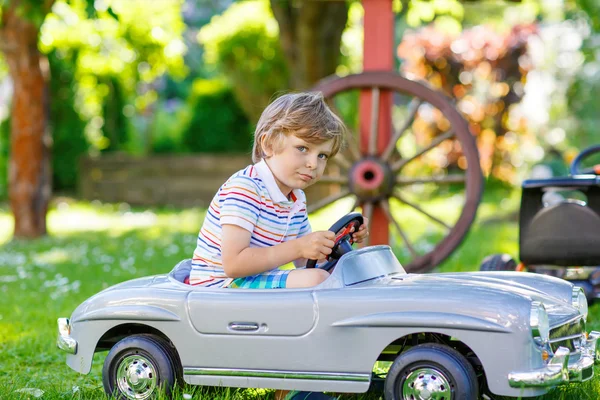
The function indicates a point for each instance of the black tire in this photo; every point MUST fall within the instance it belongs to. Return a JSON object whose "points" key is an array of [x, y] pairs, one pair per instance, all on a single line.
{"points": [[445, 368], [173, 356], [158, 368], [498, 262]]}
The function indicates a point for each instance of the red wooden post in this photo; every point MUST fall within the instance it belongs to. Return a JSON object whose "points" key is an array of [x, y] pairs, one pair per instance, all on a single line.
{"points": [[378, 55]]}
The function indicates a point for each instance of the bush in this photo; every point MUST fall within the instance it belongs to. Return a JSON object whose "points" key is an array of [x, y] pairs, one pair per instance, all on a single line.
{"points": [[243, 43], [218, 124], [66, 126], [171, 119]]}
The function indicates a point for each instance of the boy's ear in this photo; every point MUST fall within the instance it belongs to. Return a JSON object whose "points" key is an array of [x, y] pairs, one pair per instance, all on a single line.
{"points": [[266, 147]]}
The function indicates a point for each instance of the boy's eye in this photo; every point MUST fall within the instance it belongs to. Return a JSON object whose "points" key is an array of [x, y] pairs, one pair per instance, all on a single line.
{"points": [[323, 156], [302, 148]]}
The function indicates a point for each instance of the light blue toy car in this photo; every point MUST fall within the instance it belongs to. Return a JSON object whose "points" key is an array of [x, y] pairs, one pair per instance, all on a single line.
{"points": [[449, 336]]}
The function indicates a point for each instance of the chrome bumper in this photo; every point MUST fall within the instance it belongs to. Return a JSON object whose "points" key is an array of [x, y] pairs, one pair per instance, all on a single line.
{"points": [[558, 370], [64, 341]]}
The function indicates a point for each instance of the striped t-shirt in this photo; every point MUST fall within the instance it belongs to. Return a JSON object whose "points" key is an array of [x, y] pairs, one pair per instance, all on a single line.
{"points": [[251, 199]]}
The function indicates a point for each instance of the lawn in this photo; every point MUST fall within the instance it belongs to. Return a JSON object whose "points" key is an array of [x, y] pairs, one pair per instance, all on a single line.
{"points": [[92, 246]]}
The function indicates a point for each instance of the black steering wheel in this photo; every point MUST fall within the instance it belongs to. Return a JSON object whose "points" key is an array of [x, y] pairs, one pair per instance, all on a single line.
{"points": [[343, 239], [575, 165]]}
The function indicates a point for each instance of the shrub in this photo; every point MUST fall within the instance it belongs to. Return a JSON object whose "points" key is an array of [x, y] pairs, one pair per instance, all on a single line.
{"points": [[66, 126], [243, 43], [171, 119], [218, 124]]}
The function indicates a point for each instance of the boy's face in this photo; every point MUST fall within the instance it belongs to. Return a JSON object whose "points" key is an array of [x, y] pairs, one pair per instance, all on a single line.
{"points": [[297, 164]]}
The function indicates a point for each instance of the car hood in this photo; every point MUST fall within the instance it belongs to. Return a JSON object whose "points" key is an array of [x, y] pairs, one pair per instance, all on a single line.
{"points": [[483, 290]]}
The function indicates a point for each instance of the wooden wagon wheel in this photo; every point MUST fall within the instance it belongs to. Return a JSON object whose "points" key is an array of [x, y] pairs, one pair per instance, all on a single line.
{"points": [[386, 179]]}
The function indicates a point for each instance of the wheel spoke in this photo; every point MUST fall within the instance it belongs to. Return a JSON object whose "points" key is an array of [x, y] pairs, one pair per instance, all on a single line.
{"points": [[353, 147], [356, 204], [374, 121], [446, 179], [413, 108], [385, 206], [367, 211], [401, 163], [419, 209], [340, 180], [327, 200]]}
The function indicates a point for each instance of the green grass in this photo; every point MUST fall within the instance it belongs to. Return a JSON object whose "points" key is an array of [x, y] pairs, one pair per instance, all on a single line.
{"points": [[93, 246]]}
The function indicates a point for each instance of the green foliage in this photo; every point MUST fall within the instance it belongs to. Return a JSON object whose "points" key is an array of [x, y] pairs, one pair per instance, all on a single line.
{"points": [[583, 94], [243, 43], [115, 123], [218, 124], [447, 14], [117, 54], [66, 126], [33, 10], [592, 10], [171, 119], [4, 152]]}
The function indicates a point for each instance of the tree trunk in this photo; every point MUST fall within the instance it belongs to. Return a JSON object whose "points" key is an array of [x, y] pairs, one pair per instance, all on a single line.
{"points": [[29, 167], [310, 34]]}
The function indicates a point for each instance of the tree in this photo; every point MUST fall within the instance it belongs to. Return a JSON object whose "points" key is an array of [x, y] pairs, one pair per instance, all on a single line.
{"points": [[265, 48], [310, 35], [29, 164]]}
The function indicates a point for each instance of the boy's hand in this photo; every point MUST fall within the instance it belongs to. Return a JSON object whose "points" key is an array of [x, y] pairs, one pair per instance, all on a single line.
{"points": [[362, 233], [316, 245]]}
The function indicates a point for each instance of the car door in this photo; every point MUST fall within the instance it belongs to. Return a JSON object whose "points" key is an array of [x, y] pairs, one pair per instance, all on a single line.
{"points": [[233, 312]]}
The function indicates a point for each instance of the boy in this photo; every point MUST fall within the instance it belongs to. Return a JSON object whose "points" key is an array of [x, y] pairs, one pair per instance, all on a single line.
{"points": [[257, 221]]}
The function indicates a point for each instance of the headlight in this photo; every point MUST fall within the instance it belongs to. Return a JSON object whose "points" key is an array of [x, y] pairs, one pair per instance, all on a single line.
{"points": [[538, 320], [579, 301]]}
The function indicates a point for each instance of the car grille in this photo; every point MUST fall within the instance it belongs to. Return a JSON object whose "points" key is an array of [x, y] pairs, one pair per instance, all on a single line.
{"points": [[568, 335]]}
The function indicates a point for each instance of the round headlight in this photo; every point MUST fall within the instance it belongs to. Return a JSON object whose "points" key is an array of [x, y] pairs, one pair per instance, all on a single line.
{"points": [[579, 301], [538, 320]]}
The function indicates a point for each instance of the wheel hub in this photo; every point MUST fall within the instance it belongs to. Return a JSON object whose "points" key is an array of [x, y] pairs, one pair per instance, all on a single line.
{"points": [[426, 384], [371, 179], [136, 377]]}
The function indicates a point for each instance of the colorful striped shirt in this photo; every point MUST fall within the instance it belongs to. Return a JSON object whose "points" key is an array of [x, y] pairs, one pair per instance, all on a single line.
{"points": [[251, 199]]}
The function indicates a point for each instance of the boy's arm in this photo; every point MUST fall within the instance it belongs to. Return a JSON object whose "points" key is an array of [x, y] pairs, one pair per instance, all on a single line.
{"points": [[240, 260], [304, 230]]}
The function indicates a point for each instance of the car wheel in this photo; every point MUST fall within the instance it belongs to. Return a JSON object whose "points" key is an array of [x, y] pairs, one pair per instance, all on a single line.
{"points": [[431, 371], [498, 262], [138, 367]]}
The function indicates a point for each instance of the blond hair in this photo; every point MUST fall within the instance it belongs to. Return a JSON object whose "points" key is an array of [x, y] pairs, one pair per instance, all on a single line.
{"points": [[305, 115]]}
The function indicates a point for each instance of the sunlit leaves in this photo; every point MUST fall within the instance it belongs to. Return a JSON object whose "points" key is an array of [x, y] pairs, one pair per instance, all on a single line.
{"points": [[130, 42], [424, 11], [243, 44], [352, 41]]}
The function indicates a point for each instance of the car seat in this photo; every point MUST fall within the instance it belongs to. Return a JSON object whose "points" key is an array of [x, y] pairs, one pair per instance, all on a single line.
{"points": [[564, 233], [181, 271]]}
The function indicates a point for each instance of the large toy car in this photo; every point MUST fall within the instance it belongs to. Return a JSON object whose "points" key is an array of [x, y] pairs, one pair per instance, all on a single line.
{"points": [[449, 336], [559, 226]]}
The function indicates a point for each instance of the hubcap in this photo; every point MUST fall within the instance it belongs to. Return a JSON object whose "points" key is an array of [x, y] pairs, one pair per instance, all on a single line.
{"points": [[426, 384], [136, 377], [370, 179]]}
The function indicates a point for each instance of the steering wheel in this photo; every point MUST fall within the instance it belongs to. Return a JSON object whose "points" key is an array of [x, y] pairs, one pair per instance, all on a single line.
{"points": [[575, 165], [343, 239]]}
